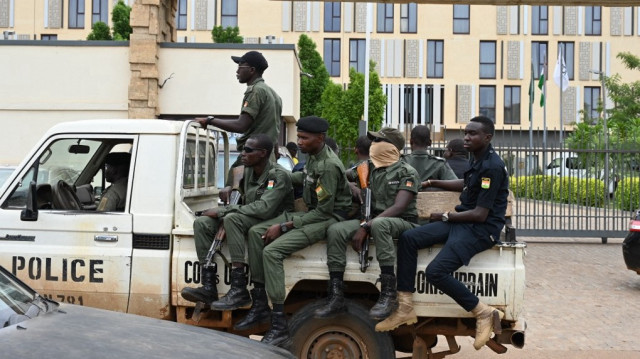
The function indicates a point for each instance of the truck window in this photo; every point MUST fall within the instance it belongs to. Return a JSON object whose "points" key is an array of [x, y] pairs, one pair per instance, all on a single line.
{"points": [[199, 162]]}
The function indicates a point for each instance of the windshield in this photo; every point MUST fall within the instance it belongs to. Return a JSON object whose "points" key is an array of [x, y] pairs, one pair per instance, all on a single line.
{"points": [[19, 302], [4, 174]]}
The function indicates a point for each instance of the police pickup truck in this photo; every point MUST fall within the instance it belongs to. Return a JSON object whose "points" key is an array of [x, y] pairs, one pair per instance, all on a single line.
{"points": [[137, 260]]}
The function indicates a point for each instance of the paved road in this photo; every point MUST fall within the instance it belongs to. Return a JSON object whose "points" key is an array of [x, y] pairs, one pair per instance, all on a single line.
{"points": [[580, 303]]}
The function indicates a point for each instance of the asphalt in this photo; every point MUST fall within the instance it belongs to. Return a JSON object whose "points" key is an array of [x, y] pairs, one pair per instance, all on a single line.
{"points": [[580, 303]]}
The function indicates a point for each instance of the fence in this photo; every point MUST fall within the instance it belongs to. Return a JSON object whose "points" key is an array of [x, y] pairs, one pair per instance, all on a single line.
{"points": [[561, 192]]}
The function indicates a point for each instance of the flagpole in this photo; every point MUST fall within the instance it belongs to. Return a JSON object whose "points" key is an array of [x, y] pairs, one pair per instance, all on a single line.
{"points": [[561, 61], [531, 99], [544, 107]]}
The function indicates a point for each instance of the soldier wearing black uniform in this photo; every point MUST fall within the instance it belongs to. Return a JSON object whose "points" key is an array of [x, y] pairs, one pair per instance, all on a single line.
{"points": [[472, 228]]}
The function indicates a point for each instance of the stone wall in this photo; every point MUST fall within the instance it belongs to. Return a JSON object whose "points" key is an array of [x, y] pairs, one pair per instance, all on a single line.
{"points": [[153, 22]]}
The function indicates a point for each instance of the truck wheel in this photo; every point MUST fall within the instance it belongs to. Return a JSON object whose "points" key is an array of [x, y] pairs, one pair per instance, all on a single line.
{"points": [[349, 335]]}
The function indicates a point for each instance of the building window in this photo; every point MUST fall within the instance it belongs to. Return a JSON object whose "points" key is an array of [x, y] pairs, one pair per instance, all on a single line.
{"points": [[435, 59], [593, 21], [181, 15], [460, 19], [512, 105], [540, 20], [76, 14], [357, 54], [332, 16], [539, 57], [487, 59], [48, 37], [385, 17], [100, 11], [566, 48], [332, 56], [409, 18], [229, 13], [591, 102], [488, 102]]}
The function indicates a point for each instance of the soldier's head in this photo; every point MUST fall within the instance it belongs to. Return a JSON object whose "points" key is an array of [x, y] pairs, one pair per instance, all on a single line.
{"points": [[386, 146], [256, 150], [455, 148], [250, 66], [312, 131], [363, 143], [292, 148], [116, 166], [478, 134], [420, 137]]}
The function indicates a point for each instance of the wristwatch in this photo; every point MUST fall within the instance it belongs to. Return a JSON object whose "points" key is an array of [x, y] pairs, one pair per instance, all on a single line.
{"points": [[209, 119], [365, 225], [445, 217], [283, 227]]}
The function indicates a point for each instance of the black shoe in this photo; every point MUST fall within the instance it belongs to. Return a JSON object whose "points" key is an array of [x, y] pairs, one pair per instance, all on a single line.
{"points": [[278, 334], [207, 293], [388, 299], [335, 301], [260, 313], [238, 296]]}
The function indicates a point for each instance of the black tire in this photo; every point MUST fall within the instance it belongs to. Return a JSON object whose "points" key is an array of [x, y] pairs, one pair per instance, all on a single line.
{"points": [[351, 334]]}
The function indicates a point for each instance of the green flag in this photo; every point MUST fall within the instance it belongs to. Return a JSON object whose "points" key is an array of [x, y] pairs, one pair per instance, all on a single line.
{"points": [[540, 86]]}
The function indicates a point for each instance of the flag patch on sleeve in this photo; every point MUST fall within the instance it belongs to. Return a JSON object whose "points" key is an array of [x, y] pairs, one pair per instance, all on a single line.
{"points": [[486, 182], [409, 184], [321, 193], [270, 184]]}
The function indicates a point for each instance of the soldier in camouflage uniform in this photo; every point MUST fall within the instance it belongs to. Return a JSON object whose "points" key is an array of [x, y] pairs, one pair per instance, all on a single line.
{"points": [[328, 198], [394, 185], [427, 165]]}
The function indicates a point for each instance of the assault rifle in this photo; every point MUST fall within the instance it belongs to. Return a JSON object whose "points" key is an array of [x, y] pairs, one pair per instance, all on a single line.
{"points": [[365, 192]]}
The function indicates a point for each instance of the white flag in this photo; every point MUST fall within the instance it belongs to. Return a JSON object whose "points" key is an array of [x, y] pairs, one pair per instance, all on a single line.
{"points": [[561, 80]]}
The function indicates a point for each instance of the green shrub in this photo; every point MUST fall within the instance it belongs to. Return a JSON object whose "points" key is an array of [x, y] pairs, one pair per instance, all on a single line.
{"points": [[100, 31], [627, 195], [585, 192]]}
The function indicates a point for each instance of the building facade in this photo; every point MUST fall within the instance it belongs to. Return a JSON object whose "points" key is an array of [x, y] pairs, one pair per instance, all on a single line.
{"points": [[439, 64]]}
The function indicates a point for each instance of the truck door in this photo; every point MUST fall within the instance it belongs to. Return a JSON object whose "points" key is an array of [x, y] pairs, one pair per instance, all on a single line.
{"points": [[68, 250]]}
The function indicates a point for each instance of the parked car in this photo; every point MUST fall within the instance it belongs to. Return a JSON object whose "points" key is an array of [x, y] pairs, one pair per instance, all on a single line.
{"points": [[5, 172], [568, 164], [33, 326], [631, 245]]}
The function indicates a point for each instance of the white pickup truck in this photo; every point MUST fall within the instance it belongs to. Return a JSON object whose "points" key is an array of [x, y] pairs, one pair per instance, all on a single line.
{"points": [[139, 259]]}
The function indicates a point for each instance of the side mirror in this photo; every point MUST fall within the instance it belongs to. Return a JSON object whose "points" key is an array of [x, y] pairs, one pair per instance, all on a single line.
{"points": [[31, 212]]}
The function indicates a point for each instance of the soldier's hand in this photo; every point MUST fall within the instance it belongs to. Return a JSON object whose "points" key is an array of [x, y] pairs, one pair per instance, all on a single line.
{"points": [[358, 239], [271, 234], [435, 217], [211, 212], [202, 121], [225, 193]]}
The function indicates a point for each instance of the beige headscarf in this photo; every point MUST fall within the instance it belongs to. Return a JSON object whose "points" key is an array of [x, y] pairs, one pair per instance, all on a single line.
{"points": [[383, 154]]}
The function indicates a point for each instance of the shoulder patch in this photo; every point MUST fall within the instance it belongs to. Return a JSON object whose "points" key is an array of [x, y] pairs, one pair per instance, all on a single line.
{"points": [[270, 184], [486, 183]]}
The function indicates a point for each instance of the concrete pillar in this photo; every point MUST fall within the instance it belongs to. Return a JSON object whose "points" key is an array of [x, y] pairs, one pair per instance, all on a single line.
{"points": [[153, 22]]}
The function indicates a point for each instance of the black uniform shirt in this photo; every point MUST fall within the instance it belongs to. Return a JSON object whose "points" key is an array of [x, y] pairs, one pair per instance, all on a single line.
{"points": [[486, 184]]}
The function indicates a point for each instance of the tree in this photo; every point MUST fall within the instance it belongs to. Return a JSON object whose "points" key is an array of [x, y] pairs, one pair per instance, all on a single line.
{"points": [[311, 88], [345, 108], [120, 17], [227, 35], [100, 31]]}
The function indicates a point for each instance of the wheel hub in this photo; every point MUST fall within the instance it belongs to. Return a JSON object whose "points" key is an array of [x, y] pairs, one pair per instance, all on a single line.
{"points": [[334, 345]]}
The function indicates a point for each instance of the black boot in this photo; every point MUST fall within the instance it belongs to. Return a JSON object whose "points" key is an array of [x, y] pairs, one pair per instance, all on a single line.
{"points": [[259, 312], [388, 300], [278, 334], [238, 295], [208, 292], [335, 301]]}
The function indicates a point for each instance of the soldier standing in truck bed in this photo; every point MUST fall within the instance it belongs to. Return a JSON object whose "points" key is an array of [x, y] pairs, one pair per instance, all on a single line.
{"points": [[427, 165]]}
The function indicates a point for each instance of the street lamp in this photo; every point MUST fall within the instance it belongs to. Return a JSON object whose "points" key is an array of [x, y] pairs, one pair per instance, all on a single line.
{"points": [[606, 130]]}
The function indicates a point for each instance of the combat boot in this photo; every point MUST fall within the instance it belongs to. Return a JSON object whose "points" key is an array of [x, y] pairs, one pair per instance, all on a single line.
{"points": [[335, 301], [388, 299], [208, 292], [238, 295], [278, 334], [259, 312], [403, 315], [487, 320]]}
